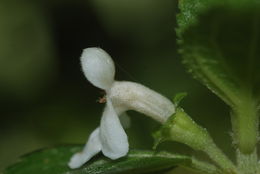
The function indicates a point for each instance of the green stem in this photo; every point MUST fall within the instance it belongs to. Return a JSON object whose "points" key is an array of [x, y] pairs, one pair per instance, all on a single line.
{"points": [[202, 167], [245, 125], [247, 163], [220, 158]]}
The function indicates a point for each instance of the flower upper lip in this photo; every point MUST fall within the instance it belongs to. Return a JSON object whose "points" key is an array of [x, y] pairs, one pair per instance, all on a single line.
{"points": [[110, 137]]}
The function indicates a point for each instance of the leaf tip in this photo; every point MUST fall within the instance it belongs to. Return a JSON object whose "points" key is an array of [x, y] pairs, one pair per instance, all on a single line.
{"points": [[158, 139], [179, 97]]}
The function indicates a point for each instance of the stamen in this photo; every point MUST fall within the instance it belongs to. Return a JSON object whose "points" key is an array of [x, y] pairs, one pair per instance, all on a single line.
{"points": [[102, 100]]}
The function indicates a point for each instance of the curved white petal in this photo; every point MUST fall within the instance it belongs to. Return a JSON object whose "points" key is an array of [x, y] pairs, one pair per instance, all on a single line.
{"points": [[125, 120], [134, 96], [113, 137], [92, 147], [98, 67]]}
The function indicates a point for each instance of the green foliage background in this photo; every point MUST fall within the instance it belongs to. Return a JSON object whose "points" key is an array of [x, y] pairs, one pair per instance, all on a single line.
{"points": [[45, 99]]}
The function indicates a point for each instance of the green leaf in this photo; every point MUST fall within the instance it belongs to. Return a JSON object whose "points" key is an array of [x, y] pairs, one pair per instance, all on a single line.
{"points": [[219, 43], [54, 161]]}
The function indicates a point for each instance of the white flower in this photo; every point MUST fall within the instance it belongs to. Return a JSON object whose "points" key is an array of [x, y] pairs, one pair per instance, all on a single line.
{"points": [[110, 137]]}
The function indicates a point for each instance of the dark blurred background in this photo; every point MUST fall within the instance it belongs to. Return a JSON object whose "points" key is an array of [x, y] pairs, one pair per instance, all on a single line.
{"points": [[45, 100]]}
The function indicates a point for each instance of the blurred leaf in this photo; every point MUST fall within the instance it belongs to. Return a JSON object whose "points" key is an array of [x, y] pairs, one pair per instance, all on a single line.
{"points": [[219, 42], [54, 161], [26, 50]]}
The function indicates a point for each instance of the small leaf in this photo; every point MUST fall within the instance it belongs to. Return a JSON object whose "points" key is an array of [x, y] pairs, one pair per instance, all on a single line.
{"points": [[54, 161], [178, 98], [158, 138]]}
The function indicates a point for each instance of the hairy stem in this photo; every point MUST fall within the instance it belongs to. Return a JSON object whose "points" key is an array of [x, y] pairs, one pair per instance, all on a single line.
{"points": [[247, 163], [245, 125], [220, 158], [181, 128], [203, 167]]}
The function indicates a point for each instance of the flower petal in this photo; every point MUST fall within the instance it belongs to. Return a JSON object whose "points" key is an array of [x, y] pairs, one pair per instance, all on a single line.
{"points": [[92, 147], [98, 67], [113, 137], [134, 96], [125, 120]]}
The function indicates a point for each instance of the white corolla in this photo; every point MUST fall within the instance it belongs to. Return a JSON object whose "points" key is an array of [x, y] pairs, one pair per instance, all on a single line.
{"points": [[110, 137]]}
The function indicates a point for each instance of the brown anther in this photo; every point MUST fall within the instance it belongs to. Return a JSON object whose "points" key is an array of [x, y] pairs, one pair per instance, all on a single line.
{"points": [[102, 100]]}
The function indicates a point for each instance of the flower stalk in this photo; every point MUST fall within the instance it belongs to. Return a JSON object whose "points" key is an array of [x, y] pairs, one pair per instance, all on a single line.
{"points": [[181, 128]]}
